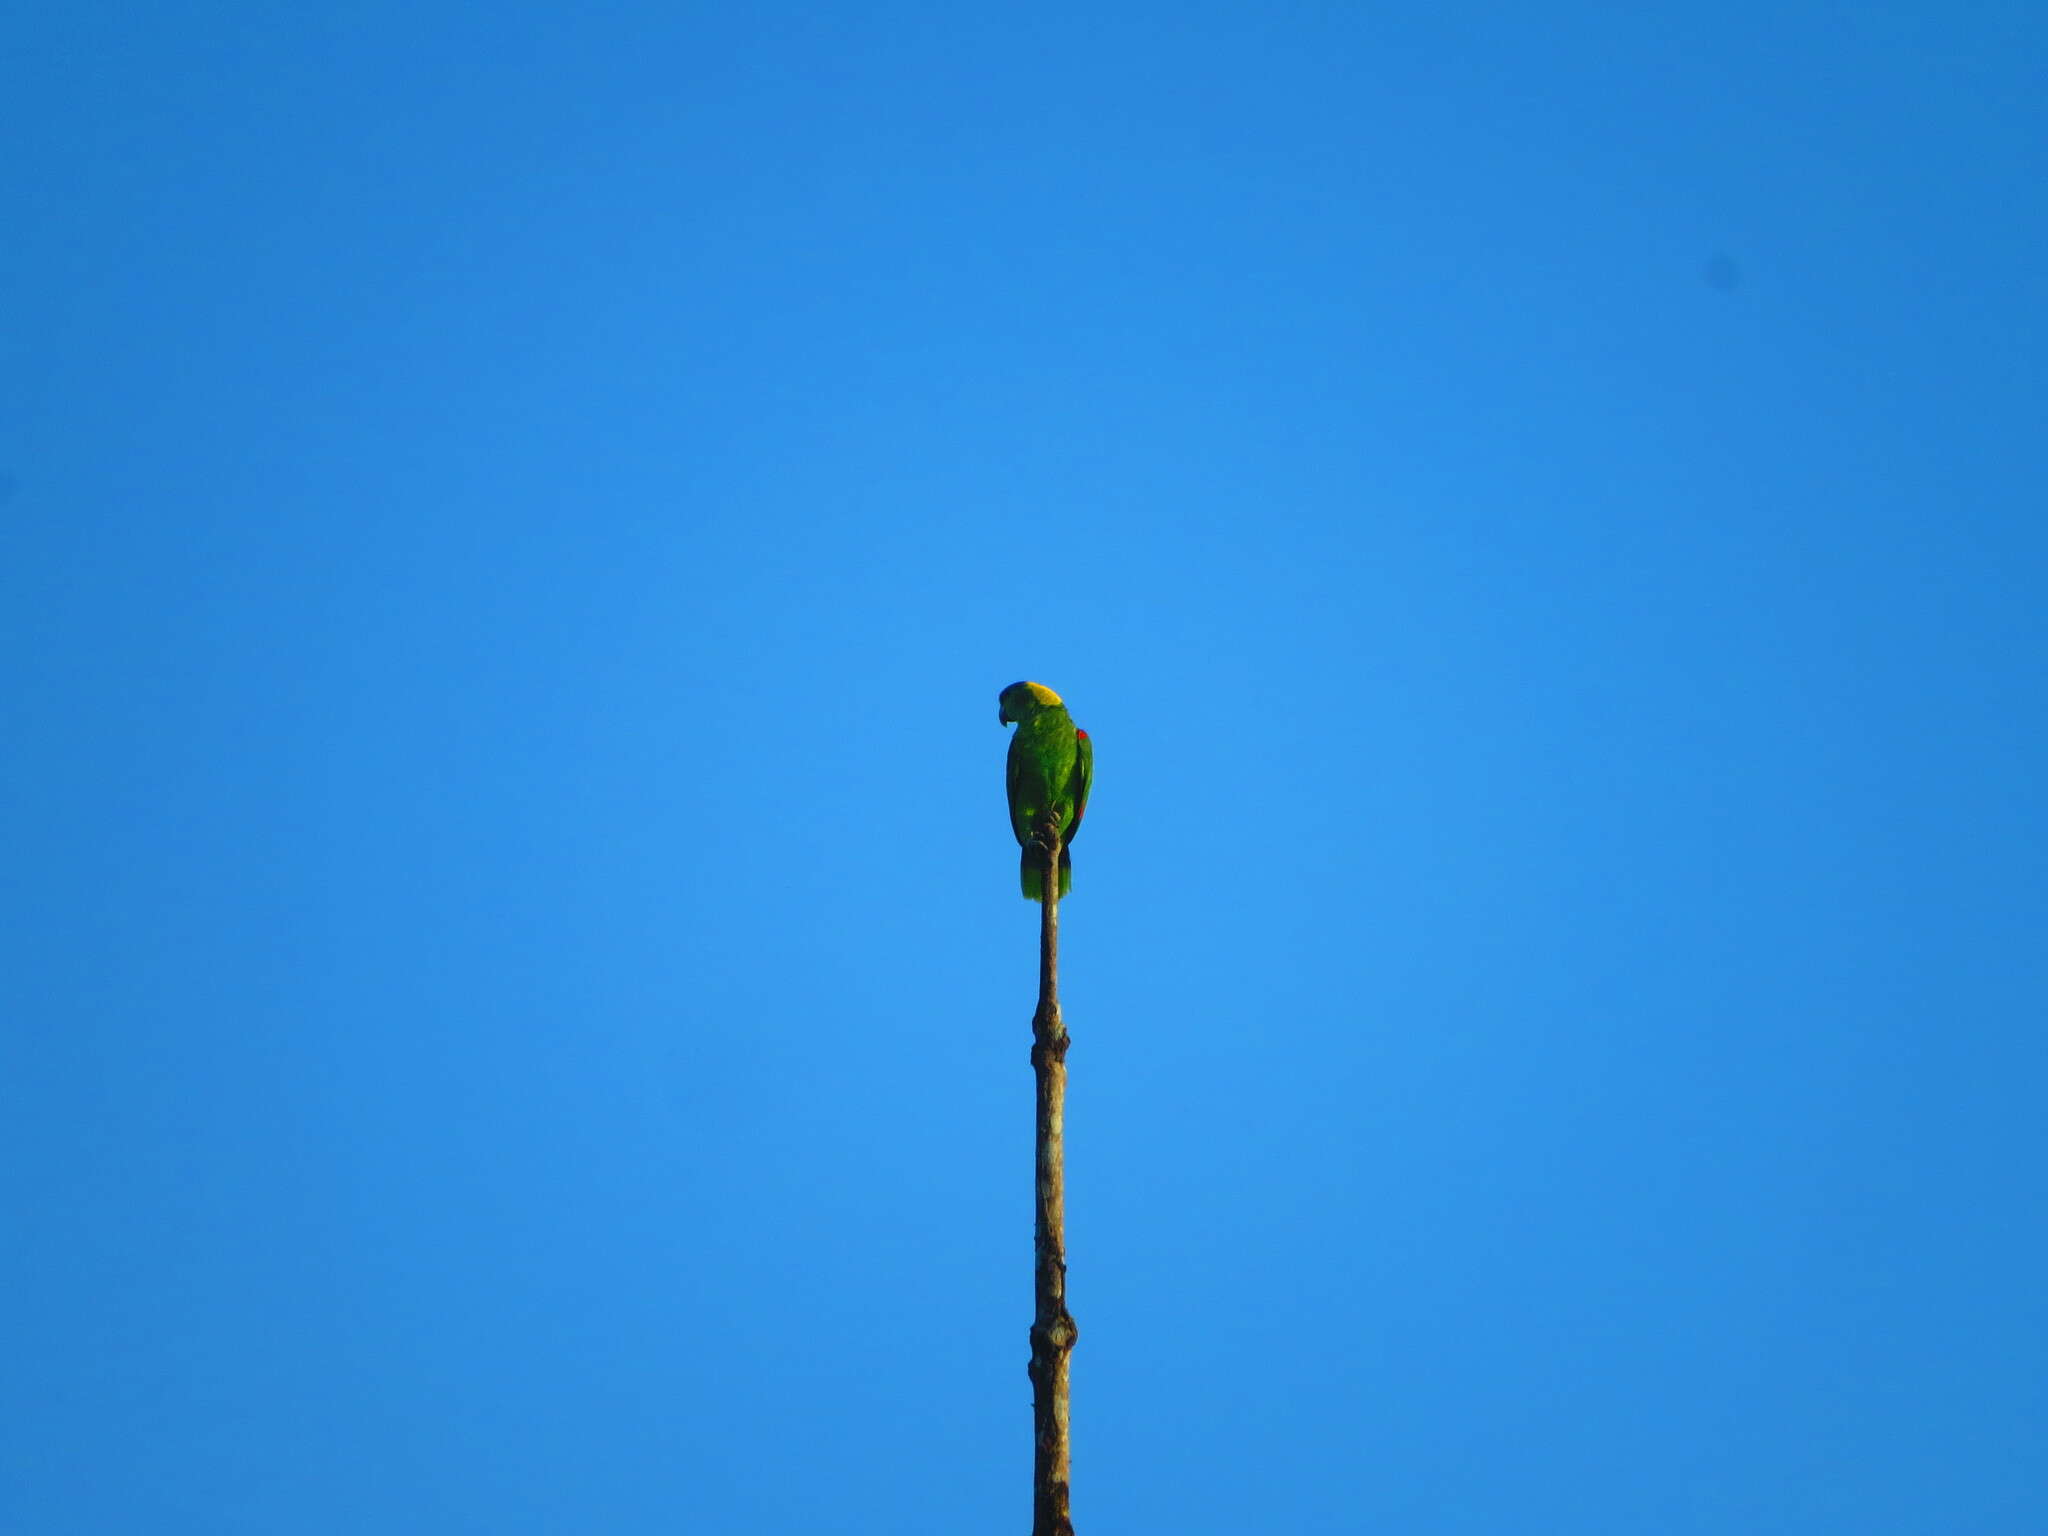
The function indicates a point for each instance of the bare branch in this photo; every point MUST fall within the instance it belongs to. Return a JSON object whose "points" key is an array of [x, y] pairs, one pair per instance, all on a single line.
{"points": [[1052, 1329]]}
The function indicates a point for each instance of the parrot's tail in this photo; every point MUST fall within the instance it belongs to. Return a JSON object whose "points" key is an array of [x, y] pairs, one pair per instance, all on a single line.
{"points": [[1031, 872]]}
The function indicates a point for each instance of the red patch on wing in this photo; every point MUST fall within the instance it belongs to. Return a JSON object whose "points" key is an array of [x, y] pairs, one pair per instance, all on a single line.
{"points": [[1081, 733]]}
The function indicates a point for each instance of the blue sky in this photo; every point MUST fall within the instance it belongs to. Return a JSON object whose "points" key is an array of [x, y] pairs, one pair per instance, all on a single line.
{"points": [[514, 995]]}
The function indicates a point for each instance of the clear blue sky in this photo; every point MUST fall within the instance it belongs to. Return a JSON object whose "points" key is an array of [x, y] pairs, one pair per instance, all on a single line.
{"points": [[515, 1002]]}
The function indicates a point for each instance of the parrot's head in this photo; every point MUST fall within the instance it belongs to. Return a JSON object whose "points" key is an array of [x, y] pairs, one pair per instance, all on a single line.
{"points": [[1020, 701]]}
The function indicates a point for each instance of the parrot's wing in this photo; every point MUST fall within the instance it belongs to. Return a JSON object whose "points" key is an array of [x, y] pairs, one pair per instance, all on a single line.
{"points": [[1084, 775], [1012, 771]]}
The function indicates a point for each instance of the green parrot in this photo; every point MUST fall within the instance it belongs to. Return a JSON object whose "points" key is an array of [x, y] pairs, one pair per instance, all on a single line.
{"points": [[1051, 766]]}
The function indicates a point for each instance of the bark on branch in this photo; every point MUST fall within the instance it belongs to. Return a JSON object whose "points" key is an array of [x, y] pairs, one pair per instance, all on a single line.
{"points": [[1052, 1328]]}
